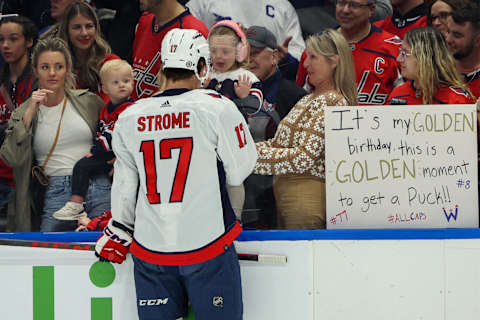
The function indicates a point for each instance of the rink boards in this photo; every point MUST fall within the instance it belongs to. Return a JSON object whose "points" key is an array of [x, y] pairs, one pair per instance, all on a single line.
{"points": [[329, 274]]}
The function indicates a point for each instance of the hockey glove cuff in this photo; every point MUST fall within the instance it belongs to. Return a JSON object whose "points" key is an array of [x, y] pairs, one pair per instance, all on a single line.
{"points": [[114, 243]]}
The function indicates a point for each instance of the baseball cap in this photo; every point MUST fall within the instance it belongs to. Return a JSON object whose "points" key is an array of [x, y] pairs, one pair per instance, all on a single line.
{"points": [[261, 37]]}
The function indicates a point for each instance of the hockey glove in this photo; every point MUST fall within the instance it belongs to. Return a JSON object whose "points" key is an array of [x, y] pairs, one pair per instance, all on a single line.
{"points": [[114, 243]]}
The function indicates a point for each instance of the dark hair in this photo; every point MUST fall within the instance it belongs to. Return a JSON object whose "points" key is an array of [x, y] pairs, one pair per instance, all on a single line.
{"points": [[465, 11], [176, 74], [29, 29]]}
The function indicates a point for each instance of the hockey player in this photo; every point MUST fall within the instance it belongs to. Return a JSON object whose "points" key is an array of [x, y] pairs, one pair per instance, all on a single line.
{"points": [[159, 17], [176, 151]]}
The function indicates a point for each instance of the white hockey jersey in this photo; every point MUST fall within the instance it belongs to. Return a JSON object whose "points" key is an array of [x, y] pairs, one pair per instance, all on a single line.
{"points": [[179, 149], [278, 16]]}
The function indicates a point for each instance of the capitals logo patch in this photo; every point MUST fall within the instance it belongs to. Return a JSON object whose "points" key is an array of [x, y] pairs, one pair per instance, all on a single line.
{"points": [[145, 75], [458, 90], [394, 40]]}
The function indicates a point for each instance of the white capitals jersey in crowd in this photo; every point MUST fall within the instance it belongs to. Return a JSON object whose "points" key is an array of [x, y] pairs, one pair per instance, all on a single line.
{"points": [[278, 16], [173, 148]]}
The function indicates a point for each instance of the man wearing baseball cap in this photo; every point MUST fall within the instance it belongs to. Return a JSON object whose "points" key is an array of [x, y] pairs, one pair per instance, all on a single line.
{"points": [[279, 96]]}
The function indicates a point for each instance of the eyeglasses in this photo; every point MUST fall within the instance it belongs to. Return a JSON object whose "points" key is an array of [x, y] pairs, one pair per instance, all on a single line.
{"points": [[442, 16], [351, 4], [403, 54]]}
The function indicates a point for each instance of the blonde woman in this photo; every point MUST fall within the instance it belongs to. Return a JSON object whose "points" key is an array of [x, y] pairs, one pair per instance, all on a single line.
{"points": [[54, 129], [296, 154], [434, 79], [80, 29]]}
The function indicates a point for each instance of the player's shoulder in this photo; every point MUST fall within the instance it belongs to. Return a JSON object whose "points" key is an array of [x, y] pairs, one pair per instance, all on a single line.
{"points": [[202, 96]]}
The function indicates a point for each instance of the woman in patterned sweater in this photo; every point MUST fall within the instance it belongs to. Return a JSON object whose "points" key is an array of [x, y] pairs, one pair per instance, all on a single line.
{"points": [[296, 154]]}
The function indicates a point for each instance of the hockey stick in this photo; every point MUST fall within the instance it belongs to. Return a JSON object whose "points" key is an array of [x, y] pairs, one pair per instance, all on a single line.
{"points": [[261, 258]]}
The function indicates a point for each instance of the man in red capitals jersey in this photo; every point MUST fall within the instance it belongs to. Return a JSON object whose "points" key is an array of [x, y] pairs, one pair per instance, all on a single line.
{"points": [[407, 14], [159, 17], [176, 151], [374, 52], [463, 39]]}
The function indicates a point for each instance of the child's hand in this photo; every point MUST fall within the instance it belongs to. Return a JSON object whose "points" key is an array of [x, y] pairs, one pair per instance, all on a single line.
{"points": [[89, 155], [80, 228], [242, 87], [206, 82], [82, 223]]}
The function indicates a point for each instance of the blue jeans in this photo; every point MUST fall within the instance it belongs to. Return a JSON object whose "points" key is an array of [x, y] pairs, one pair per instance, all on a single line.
{"points": [[59, 192]]}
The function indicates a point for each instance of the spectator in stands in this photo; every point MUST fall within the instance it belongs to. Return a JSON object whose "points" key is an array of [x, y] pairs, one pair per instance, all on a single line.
{"points": [[117, 82], [278, 16], [440, 10], [431, 69], [374, 52], [17, 37], [120, 30], [463, 39], [36, 10], [407, 14], [57, 10], [296, 155], [80, 29], [160, 16], [279, 96], [54, 128], [316, 16]]}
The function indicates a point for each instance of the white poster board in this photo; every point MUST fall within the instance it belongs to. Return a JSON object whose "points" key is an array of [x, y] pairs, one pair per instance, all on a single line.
{"points": [[401, 166]]}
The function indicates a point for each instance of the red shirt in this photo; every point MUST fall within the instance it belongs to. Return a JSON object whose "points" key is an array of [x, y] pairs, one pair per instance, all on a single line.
{"points": [[399, 24], [407, 94], [473, 81], [147, 46], [18, 93]]}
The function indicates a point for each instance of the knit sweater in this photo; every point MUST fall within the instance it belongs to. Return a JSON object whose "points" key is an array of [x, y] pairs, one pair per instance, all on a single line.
{"points": [[298, 147]]}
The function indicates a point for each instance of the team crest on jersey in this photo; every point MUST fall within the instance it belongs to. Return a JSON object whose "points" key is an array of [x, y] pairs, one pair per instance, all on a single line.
{"points": [[394, 40], [145, 76], [458, 90]]}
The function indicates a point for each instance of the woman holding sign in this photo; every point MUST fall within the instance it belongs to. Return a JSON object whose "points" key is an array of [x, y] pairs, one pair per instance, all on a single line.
{"points": [[296, 154], [428, 64]]}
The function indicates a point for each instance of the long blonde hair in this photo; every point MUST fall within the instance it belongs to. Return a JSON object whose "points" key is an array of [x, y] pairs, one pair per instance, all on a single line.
{"points": [[88, 70], [435, 64], [330, 43], [55, 45]]}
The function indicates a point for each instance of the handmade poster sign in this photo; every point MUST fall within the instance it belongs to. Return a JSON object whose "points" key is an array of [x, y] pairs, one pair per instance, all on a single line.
{"points": [[401, 166]]}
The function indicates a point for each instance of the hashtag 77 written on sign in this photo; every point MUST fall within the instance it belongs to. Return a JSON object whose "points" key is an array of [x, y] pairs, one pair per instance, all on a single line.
{"points": [[401, 166]]}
